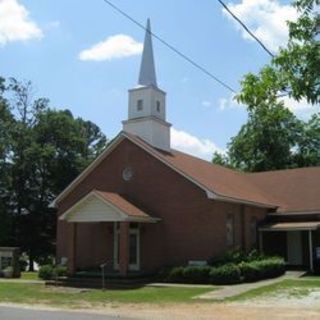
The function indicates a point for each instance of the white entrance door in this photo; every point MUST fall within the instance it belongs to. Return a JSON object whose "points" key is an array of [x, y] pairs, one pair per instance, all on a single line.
{"points": [[134, 247], [294, 248]]}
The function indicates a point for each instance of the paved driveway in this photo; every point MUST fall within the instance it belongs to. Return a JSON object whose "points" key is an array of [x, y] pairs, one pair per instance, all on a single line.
{"points": [[10, 313]]}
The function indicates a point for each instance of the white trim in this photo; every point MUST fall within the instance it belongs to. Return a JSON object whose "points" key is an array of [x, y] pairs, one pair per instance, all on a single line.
{"points": [[88, 169], [122, 215], [121, 136], [116, 234], [310, 250], [262, 229], [92, 194], [292, 213], [135, 267]]}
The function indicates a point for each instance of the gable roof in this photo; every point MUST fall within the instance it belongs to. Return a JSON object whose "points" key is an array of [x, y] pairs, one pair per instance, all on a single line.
{"points": [[285, 190], [218, 182], [105, 206], [295, 190]]}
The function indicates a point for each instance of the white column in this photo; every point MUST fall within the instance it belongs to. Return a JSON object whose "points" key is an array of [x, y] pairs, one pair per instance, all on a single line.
{"points": [[310, 251]]}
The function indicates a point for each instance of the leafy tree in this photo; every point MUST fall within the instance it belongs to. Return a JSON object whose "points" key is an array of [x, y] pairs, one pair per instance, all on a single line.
{"points": [[299, 61], [273, 138], [48, 149], [6, 121]]}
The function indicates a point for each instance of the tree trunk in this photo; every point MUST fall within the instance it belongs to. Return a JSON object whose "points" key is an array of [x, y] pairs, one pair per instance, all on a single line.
{"points": [[31, 262]]}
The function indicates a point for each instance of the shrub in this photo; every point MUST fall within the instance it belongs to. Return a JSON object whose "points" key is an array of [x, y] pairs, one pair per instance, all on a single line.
{"points": [[46, 272], [226, 274], [60, 271], [196, 275], [230, 257], [262, 269], [255, 255], [175, 275], [249, 271]]}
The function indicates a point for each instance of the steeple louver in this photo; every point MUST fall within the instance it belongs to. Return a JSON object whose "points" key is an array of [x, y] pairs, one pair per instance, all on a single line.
{"points": [[147, 103]]}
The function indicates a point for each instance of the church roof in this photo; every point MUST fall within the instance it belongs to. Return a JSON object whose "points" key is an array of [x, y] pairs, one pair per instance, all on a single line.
{"points": [[295, 190]]}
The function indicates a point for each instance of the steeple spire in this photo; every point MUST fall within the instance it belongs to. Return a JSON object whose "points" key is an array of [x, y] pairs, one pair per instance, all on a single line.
{"points": [[147, 76]]}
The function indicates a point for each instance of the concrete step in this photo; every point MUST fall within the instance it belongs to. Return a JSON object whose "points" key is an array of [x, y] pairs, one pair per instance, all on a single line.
{"points": [[96, 283]]}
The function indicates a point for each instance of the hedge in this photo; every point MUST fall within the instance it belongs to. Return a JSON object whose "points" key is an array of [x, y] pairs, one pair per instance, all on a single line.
{"points": [[245, 271], [225, 274]]}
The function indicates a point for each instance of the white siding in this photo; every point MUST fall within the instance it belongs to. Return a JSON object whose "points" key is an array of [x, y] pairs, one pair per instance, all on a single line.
{"points": [[94, 209]]}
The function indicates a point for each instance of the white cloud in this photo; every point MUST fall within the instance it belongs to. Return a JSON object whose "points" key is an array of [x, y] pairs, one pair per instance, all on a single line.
{"points": [[117, 46], [228, 103], [302, 108], [266, 19], [206, 103], [185, 142], [15, 24]]}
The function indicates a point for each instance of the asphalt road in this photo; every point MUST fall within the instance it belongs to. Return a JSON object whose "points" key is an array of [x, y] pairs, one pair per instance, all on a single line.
{"points": [[13, 313]]}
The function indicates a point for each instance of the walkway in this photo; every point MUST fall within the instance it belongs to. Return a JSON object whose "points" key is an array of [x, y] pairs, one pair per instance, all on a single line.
{"points": [[236, 289]]}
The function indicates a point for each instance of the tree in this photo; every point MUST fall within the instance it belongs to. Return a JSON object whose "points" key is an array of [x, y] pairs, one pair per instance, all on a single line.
{"points": [[6, 121], [273, 138], [48, 149], [299, 61]]}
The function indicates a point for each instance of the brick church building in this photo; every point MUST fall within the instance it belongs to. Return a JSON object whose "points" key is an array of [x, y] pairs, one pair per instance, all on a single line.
{"points": [[141, 205]]}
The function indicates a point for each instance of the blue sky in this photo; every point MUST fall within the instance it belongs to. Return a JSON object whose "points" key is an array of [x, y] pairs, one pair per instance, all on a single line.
{"points": [[42, 41]]}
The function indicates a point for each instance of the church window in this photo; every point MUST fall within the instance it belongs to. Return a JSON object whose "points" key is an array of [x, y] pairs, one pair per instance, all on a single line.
{"points": [[139, 104], [253, 231], [230, 230], [158, 105]]}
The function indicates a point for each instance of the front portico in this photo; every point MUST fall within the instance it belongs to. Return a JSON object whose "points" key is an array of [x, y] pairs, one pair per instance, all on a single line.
{"points": [[121, 217]]}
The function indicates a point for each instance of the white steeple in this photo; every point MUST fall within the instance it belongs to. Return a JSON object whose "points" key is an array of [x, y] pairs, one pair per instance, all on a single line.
{"points": [[147, 76], [147, 103]]}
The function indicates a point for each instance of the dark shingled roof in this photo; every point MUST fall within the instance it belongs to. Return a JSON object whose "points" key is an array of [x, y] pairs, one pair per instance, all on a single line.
{"points": [[291, 190]]}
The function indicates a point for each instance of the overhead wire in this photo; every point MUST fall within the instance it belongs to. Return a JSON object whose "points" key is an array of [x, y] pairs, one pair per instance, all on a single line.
{"points": [[171, 47]]}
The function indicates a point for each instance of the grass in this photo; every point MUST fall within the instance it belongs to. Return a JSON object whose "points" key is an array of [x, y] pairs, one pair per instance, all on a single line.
{"points": [[38, 293], [291, 288], [29, 276]]}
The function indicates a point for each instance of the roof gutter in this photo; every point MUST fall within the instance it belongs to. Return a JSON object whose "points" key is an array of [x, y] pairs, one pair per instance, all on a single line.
{"points": [[217, 197]]}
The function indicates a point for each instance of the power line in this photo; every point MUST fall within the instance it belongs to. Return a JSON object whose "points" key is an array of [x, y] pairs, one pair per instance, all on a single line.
{"points": [[171, 47], [246, 28]]}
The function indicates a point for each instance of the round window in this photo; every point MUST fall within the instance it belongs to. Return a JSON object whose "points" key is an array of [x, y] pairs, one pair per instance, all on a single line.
{"points": [[127, 174]]}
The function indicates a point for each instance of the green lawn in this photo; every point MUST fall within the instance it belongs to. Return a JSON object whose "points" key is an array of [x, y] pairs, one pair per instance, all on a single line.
{"points": [[291, 287], [38, 293], [29, 276]]}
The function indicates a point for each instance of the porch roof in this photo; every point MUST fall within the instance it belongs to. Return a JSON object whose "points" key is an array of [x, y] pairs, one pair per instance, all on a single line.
{"points": [[102, 206], [291, 226]]}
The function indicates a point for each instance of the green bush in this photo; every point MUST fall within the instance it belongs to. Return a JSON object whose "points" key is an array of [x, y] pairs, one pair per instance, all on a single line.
{"points": [[46, 272], [249, 271], [60, 271], [262, 269], [251, 268], [226, 274], [175, 275], [196, 275]]}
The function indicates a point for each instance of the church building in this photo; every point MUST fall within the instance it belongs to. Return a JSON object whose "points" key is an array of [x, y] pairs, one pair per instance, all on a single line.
{"points": [[141, 205]]}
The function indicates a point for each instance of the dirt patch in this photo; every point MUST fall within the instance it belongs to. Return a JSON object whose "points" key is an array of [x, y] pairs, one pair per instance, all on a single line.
{"points": [[291, 297]]}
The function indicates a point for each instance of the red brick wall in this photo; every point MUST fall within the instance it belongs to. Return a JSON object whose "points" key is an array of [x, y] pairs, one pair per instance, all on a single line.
{"points": [[192, 227]]}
